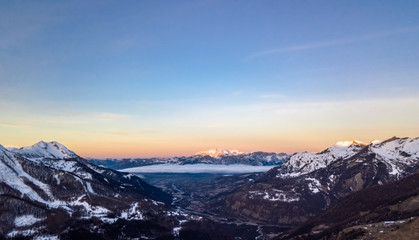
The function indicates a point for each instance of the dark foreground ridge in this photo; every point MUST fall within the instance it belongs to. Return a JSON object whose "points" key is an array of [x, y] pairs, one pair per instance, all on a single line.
{"points": [[390, 210]]}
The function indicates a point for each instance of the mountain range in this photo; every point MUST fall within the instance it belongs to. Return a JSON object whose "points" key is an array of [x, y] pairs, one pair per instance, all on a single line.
{"points": [[214, 156], [350, 190]]}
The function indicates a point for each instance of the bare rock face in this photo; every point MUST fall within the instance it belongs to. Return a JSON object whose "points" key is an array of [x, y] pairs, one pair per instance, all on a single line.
{"points": [[291, 194]]}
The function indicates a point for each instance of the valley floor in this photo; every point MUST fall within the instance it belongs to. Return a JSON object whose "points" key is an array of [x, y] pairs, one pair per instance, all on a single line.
{"points": [[191, 192]]}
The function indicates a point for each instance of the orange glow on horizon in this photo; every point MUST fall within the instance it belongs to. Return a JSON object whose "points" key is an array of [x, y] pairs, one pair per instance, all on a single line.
{"points": [[172, 147], [133, 150]]}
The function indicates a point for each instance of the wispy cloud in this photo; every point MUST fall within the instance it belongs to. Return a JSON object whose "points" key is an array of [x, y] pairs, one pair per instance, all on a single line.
{"points": [[333, 42], [12, 124]]}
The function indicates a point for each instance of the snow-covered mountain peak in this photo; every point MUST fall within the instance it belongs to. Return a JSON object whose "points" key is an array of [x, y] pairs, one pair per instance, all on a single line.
{"points": [[45, 150], [349, 143], [344, 149], [219, 152], [41, 144]]}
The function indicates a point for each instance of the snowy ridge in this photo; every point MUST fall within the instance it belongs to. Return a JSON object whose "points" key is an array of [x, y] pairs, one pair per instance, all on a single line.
{"points": [[228, 157], [396, 153], [306, 162], [400, 148], [13, 175], [54, 155], [43, 149]]}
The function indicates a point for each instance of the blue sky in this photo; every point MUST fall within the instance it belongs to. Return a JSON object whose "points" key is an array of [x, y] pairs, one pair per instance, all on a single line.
{"points": [[206, 74]]}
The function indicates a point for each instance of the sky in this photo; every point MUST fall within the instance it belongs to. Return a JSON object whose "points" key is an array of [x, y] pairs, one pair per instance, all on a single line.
{"points": [[171, 78]]}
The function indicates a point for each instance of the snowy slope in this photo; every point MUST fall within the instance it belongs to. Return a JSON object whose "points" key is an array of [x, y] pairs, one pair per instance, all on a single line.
{"points": [[399, 148], [397, 153], [13, 175]]}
